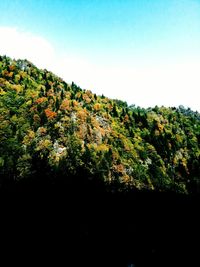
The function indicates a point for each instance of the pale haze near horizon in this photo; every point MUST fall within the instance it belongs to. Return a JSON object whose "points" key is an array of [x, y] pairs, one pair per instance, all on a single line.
{"points": [[150, 59]]}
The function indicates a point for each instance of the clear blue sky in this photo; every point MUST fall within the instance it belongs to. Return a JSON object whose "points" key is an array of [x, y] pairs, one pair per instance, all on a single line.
{"points": [[127, 42]]}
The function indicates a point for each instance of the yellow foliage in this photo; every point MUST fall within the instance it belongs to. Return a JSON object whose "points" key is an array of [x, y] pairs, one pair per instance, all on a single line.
{"points": [[10, 74], [29, 137], [75, 103], [44, 144], [2, 92], [78, 95], [17, 87], [102, 131], [86, 98], [125, 178], [89, 93], [102, 147], [82, 114], [160, 127], [34, 94], [82, 131], [179, 138], [97, 107], [31, 134], [184, 162], [65, 105], [17, 78]]}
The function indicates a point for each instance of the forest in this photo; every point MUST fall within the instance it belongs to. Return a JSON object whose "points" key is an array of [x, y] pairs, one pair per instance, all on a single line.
{"points": [[124, 176], [54, 129]]}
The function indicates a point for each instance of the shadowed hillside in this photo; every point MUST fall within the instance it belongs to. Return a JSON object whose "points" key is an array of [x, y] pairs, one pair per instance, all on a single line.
{"points": [[64, 224]]}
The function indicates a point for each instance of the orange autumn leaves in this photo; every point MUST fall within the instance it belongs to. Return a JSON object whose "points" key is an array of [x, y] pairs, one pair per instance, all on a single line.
{"points": [[41, 100], [50, 114]]}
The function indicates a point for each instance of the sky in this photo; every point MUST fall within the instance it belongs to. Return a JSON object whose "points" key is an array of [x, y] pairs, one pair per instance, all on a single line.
{"points": [[145, 52]]}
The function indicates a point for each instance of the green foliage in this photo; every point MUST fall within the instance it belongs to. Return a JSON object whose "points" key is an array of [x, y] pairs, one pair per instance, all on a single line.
{"points": [[48, 126]]}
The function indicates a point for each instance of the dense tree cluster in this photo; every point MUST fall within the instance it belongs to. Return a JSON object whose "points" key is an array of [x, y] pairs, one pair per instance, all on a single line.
{"points": [[52, 129]]}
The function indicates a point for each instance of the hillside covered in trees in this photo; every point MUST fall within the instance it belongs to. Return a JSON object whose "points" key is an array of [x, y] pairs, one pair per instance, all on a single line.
{"points": [[52, 129], [90, 180]]}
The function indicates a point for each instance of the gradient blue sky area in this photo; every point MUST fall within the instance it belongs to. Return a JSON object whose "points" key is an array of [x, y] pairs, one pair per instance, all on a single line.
{"points": [[123, 37]]}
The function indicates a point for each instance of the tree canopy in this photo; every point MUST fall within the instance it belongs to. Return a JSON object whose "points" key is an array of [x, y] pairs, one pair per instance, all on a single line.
{"points": [[53, 129]]}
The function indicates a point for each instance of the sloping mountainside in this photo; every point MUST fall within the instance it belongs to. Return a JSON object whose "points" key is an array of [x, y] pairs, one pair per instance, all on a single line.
{"points": [[90, 181], [52, 129]]}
